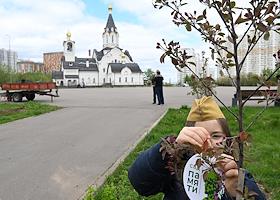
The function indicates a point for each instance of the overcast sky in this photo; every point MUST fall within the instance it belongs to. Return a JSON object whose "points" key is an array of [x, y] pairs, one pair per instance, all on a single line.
{"points": [[38, 26]]}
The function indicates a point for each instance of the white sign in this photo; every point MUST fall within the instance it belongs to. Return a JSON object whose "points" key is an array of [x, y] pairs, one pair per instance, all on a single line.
{"points": [[193, 178]]}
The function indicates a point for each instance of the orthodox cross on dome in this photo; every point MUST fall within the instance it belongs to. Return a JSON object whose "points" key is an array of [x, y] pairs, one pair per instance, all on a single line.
{"points": [[110, 8]]}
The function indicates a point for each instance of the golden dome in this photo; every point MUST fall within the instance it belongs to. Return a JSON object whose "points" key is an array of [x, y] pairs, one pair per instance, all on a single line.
{"points": [[68, 34]]}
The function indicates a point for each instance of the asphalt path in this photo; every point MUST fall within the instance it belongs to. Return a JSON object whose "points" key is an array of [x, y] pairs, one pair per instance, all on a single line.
{"points": [[59, 154]]}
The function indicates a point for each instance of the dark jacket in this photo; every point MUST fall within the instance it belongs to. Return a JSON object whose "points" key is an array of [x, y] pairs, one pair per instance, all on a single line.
{"points": [[158, 80], [149, 176]]}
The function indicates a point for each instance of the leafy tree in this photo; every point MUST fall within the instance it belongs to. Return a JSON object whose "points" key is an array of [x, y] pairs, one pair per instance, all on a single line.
{"points": [[198, 83], [4, 74], [7, 75], [266, 73], [254, 21], [148, 76]]}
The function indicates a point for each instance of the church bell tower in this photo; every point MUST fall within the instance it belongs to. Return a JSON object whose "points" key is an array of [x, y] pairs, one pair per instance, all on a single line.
{"points": [[110, 35], [69, 49]]}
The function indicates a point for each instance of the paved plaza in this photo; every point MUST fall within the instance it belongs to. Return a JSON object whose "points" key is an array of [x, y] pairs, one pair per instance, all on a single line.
{"points": [[58, 154]]}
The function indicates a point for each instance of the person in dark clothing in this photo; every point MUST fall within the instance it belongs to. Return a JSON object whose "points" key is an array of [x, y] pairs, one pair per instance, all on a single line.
{"points": [[206, 127], [158, 87], [154, 89]]}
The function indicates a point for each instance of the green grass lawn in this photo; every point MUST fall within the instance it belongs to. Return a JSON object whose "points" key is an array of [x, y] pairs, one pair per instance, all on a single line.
{"points": [[14, 111], [262, 157]]}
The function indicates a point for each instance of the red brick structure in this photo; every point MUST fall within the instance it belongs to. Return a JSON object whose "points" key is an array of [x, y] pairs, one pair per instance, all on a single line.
{"points": [[52, 61]]}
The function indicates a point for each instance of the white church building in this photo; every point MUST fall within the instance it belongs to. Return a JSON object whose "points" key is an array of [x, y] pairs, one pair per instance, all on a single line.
{"points": [[112, 66]]}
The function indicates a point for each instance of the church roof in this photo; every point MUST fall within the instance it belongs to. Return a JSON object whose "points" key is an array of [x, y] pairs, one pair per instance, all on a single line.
{"points": [[72, 76], [117, 67], [57, 75], [80, 64], [100, 54], [110, 23], [129, 56]]}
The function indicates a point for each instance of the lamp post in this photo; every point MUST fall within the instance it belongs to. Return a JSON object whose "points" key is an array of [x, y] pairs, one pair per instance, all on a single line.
{"points": [[9, 56], [9, 50]]}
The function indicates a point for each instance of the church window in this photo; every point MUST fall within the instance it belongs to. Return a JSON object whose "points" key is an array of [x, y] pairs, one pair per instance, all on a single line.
{"points": [[126, 79], [132, 79], [104, 70], [110, 80], [103, 80], [120, 80], [69, 46], [93, 80], [115, 60]]}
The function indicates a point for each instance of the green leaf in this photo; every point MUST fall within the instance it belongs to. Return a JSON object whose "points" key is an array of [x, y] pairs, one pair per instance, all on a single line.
{"points": [[188, 26], [230, 39], [240, 20], [226, 17], [188, 57], [229, 55], [266, 36], [217, 27], [192, 63], [232, 4], [204, 13], [199, 18], [270, 19]]}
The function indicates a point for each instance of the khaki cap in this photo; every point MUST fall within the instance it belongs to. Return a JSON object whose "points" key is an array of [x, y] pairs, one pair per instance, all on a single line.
{"points": [[205, 109]]}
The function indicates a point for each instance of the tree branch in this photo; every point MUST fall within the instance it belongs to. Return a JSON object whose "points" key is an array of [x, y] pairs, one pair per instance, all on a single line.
{"points": [[199, 30], [230, 111], [220, 14], [232, 80], [278, 67], [257, 116]]}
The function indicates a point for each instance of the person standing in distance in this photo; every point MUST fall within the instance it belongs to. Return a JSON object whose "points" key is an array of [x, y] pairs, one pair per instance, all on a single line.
{"points": [[158, 87], [154, 89]]}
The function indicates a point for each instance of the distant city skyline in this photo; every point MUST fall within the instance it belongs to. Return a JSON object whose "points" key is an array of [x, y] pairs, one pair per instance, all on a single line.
{"points": [[32, 27], [36, 27]]}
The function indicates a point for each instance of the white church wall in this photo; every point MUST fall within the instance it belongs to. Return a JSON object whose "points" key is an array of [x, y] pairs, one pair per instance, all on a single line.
{"points": [[126, 75], [118, 79], [71, 72], [90, 78], [137, 79]]}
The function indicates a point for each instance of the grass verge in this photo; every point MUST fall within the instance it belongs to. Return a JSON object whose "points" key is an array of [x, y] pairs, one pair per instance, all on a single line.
{"points": [[13, 111], [261, 158]]}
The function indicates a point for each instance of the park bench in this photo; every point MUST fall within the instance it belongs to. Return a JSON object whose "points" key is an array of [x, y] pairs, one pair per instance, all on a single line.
{"points": [[258, 95]]}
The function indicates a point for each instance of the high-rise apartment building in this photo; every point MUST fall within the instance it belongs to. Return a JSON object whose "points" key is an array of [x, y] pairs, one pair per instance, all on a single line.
{"points": [[8, 59], [260, 57], [197, 59]]}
